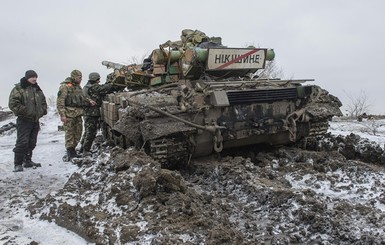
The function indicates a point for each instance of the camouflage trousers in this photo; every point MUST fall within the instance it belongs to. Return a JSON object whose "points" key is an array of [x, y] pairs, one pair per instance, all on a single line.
{"points": [[91, 125], [73, 131]]}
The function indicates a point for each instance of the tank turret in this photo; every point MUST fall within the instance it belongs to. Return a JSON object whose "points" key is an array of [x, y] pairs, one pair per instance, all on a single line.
{"points": [[194, 96]]}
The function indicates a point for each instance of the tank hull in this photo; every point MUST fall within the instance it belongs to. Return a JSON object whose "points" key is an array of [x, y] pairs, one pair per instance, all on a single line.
{"points": [[178, 123], [194, 97]]}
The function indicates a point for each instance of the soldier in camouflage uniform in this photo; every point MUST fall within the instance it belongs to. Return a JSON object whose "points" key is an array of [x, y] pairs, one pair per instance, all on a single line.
{"points": [[96, 92], [28, 103], [70, 105]]}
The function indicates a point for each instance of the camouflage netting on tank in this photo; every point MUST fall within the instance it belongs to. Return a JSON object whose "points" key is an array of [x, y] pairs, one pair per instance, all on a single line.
{"points": [[191, 38]]}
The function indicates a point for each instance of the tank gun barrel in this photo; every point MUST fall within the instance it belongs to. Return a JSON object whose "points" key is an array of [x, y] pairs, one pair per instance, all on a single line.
{"points": [[118, 66]]}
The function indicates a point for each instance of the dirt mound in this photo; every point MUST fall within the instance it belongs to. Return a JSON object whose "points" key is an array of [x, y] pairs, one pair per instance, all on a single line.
{"points": [[352, 146], [285, 196], [130, 198]]}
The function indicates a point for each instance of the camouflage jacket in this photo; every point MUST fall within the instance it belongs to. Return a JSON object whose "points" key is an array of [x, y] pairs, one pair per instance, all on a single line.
{"points": [[96, 92], [70, 99], [27, 101]]}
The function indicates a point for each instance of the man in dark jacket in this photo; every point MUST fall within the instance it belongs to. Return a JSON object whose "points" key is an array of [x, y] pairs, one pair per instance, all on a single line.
{"points": [[96, 92], [28, 103]]}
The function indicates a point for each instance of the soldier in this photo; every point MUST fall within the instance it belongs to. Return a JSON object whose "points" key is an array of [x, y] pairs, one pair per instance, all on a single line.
{"points": [[70, 105], [96, 92], [28, 103]]}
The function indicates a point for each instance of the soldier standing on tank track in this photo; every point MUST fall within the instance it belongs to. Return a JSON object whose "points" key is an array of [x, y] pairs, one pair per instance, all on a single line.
{"points": [[70, 105]]}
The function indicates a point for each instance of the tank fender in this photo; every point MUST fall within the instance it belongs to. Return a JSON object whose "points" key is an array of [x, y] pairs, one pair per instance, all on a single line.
{"points": [[153, 129]]}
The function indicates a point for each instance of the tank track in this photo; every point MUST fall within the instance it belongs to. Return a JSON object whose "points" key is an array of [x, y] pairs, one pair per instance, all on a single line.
{"points": [[316, 130], [169, 151], [173, 151]]}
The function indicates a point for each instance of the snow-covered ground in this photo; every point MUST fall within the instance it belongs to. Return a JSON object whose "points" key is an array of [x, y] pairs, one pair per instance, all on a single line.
{"points": [[374, 130], [21, 188], [18, 190]]}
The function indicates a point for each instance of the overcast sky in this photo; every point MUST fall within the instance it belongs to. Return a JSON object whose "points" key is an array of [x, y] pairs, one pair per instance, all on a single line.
{"points": [[340, 44]]}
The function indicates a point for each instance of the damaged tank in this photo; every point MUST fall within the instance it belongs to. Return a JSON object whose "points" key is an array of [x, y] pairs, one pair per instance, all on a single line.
{"points": [[194, 97]]}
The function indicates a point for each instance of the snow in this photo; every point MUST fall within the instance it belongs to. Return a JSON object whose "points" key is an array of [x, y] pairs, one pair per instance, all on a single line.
{"points": [[18, 190], [356, 187], [374, 130]]}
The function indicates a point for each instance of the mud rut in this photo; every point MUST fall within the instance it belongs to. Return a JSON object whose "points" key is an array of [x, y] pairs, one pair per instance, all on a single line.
{"points": [[125, 197]]}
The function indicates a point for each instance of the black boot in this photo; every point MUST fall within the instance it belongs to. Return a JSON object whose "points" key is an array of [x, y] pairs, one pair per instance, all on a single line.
{"points": [[71, 153], [28, 163], [18, 162]]}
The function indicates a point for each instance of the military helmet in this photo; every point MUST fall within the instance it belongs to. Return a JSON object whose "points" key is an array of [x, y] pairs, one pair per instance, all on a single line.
{"points": [[75, 73], [94, 76]]}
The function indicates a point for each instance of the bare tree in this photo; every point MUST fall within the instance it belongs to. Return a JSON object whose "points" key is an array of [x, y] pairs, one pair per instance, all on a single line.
{"points": [[371, 127], [271, 71], [136, 60], [358, 104]]}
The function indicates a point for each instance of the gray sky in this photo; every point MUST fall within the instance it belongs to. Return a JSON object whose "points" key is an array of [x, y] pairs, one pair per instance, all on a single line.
{"points": [[338, 43]]}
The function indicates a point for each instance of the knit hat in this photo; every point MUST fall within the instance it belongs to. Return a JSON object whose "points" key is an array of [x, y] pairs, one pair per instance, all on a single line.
{"points": [[30, 73], [75, 73], [94, 76]]}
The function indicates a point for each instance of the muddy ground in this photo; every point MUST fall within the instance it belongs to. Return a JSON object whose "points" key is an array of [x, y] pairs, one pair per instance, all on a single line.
{"points": [[332, 193]]}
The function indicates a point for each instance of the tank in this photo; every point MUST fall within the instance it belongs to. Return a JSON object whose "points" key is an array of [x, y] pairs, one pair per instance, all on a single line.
{"points": [[195, 97]]}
